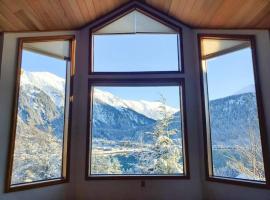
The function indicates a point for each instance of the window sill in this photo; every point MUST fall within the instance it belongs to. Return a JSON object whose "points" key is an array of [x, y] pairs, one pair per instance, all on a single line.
{"points": [[239, 182], [136, 177], [35, 184]]}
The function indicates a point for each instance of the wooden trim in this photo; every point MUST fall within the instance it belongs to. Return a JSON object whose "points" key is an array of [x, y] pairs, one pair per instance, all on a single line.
{"points": [[47, 38], [1, 49], [135, 77], [205, 28], [207, 153], [221, 36], [89, 137], [135, 74], [264, 144], [148, 11], [185, 145], [238, 182], [138, 82], [71, 100], [138, 177], [181, 66], [36, 184], [41, 31], [91, 55], [13, 122]]}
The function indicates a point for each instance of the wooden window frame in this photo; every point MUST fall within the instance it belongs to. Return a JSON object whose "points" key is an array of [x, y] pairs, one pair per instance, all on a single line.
{"points": [[146, 81], [205, 115], [180, 67], [131, 78], [66, 136], [1, 48]]}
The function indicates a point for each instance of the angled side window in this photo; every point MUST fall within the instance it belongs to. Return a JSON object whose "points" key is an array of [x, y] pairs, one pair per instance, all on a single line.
{"points": [[234, 129], [40, 130]]}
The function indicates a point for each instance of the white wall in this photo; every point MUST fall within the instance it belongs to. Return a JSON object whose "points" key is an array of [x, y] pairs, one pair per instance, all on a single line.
{"points": [[7, 83], [194, 189]]}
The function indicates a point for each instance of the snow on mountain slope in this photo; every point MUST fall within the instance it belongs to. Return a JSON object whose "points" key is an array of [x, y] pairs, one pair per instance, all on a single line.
{"points": [[49, 83], [248, 89], [147, 108], [54, 87]]}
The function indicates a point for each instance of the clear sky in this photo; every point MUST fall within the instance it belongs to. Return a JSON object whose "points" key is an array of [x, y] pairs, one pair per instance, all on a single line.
{"points": [[35, 62], [229, 73], [136, 52]]}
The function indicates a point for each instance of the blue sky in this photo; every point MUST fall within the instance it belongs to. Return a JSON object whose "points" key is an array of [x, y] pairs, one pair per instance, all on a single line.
{"points": [[136, 52], [39, 63], [227, 74]]}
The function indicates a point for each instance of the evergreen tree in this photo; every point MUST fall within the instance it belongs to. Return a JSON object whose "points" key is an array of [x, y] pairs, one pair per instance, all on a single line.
{"points": [[164, 156]]}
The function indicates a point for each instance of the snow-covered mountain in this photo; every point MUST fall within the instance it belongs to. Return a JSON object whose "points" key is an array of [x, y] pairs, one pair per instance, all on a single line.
{"points": [[41, 101], [52, 85], [45, 91], [150, 109], [232, 118], [116, 121]]}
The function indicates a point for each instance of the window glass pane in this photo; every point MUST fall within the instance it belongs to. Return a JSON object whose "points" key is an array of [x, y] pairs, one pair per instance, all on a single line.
{"points": [[233, 114], [41, 113], [135, 52], [136, 131]]}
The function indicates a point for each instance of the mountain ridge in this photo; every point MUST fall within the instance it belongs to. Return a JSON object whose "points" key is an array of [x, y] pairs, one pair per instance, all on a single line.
{"points": [[51, 84], [110, 111], [54, 87]]}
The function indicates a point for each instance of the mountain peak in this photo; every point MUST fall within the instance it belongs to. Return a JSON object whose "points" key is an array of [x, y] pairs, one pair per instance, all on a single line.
{"points": [[51, 84], [43, 77], [54, 87], [150, 109]]}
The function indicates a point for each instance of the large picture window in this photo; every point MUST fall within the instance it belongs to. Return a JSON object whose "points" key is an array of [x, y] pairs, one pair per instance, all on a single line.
{"points": [[137, 130], [233, 126], [136, 120], [41, 117]]}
